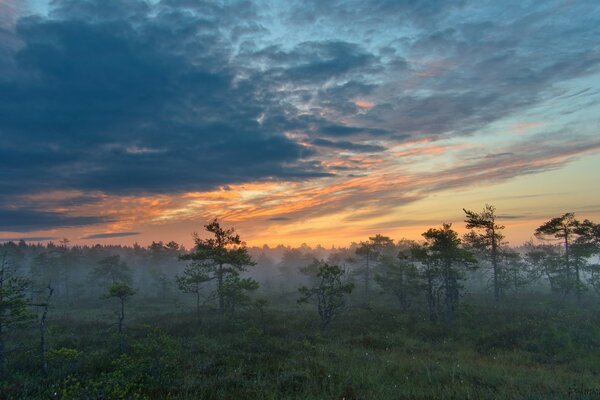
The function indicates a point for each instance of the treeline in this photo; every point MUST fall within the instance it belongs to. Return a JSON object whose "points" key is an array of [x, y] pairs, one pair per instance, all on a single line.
{"points": [[220, 272]]}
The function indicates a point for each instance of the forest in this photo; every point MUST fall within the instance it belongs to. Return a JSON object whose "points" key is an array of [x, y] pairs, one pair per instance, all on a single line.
{"points": [[449, 316]]}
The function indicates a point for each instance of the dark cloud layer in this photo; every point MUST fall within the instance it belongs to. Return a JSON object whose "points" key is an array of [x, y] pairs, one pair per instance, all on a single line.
{"points": [[29, 239], [124, 101], [127, 98], [26, 220], [110, 235]]}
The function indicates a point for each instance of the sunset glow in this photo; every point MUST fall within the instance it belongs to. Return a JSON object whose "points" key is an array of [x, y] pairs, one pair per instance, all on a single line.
{"points": [[290, 130]]}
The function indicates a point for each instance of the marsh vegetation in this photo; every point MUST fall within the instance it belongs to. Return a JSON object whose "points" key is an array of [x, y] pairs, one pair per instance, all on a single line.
{"points": [[449, 316]]}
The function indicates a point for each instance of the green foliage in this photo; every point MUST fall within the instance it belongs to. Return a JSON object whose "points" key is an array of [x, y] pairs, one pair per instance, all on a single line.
{"points": [[532, 345], [399, 276], [370, 251], [221, 258], [448, 262], [119, 290], [192, 278], [486, 237], [495, 353], [579, 242], [110, 270], [235, 290], [13, 303], [329, 293]]}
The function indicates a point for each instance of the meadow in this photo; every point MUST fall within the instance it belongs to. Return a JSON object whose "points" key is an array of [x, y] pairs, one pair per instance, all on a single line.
{"points": [[528, 349]]}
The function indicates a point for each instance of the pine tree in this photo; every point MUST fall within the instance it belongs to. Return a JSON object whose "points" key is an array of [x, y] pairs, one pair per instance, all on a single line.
{"points": [[486, 235], [222, 258], [13, 303]]}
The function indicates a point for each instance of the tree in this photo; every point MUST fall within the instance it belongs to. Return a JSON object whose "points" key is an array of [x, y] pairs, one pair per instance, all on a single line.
{"points": [[429, 273], [236, 291], [221, 258], [329, 293], [13, 303], [564, 229], [445, 251], [67, 262], [191, 281], [370, 251], [399, 277], [489, 239], [122, 292], [111, 270], [587, 244], [515, 272], [44, 306], [545, 260], [45, 268]]}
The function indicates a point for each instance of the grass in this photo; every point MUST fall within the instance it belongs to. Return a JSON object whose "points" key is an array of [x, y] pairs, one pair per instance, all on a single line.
{"points": [[491, 353]]}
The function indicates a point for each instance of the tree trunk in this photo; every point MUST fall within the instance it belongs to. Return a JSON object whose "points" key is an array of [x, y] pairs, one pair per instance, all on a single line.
{"points": [[121, 319], [577, 282], [43, 362], [495, 266], [448, 295], [45, 306], [2, 355], [198, 303], [567, 260], [430, 297], [220, 289], [367, 278]]}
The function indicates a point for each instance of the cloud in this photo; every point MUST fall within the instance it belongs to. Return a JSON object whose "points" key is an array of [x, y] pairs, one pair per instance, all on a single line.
{"points": [[315, 105], [110, 235], [152, 98], [345, 145], [29, 239], [315, 62], [26, 220]]}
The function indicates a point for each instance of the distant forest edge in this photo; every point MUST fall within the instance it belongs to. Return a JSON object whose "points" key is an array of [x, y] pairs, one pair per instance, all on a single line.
{"points": [[227, 285], [221, 271]]}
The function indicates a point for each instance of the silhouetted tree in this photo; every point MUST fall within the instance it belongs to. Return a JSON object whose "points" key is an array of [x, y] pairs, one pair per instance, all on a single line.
{"points": [[564, 228], [236, 291], [13, 303], [429, 273], [486, 235], [370, 252], [444, 249], [191, 281], [293, 260], [544, 260], [399, 277], [514, 272], [587, 245], [222, 258], [45, 307], [45, 268], [122, 292], [329, 293], [110, 270]]}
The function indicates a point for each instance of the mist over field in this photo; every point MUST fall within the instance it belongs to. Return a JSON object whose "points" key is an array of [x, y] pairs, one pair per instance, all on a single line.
{"points": [[468, 317], [343, 199]]}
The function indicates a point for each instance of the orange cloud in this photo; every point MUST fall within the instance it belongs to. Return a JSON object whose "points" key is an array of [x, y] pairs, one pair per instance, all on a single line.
{"points": [[368, 196], [364, 104]]}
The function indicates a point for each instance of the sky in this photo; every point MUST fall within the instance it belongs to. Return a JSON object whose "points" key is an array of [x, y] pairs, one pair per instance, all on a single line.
{"points": [[294, 121]]}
